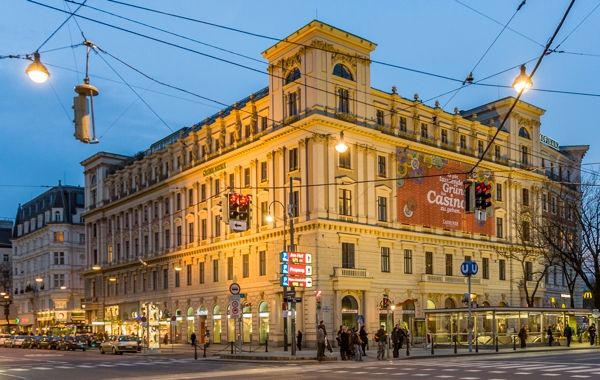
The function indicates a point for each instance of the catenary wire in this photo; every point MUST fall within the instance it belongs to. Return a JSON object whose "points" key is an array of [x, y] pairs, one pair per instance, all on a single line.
{"points": [[71, 14]]}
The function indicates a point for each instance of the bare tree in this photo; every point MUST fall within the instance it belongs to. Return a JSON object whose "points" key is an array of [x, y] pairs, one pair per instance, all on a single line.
{"points": [[6, 271]]}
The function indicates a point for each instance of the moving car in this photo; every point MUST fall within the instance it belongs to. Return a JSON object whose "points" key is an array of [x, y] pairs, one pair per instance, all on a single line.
{"points": [[72, 343], [3, 338], [19, 340], [118, 344]]}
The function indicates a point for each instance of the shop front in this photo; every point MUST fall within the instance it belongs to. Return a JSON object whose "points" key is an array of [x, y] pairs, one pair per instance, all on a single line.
{"points": [[263, 317], [217, 324], [202, 314], [349, 312]]}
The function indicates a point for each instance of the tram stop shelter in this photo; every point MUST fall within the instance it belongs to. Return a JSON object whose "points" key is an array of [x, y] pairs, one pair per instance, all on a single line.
{"points": [[449, 326]]}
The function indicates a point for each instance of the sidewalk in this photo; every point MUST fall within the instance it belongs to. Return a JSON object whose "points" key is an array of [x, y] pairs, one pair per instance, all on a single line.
{"points": [[308, 355]]}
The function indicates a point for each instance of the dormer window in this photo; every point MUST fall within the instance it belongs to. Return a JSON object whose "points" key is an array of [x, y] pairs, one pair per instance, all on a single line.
{"points": [[523, 133], [292, 76], [342, 71]]}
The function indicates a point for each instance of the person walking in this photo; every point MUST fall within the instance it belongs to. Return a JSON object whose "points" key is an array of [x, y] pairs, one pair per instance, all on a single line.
{"points": [[364, 337], [193, 338], [550, 337], [320, 343], [166, 339], [568, 334], [592, 333], [396, 341], [357, 342], [523, 336], [381, 339], [344, 341], [299, 340]]}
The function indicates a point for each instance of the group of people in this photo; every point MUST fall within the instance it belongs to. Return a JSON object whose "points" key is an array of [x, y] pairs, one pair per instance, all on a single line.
{"points": [[558, 330]]}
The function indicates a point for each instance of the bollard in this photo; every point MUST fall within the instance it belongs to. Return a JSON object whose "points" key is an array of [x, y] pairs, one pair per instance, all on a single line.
{"points": [[514, 343], [431, 341], [496, 344], [204, 350], [266, 345], [195, 351], [476, 344], [232, 348], [408, 347], [455, 342]]}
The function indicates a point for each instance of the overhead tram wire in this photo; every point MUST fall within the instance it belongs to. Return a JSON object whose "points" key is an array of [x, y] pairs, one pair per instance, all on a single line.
{"points": [[521, 92], [71, 14]]}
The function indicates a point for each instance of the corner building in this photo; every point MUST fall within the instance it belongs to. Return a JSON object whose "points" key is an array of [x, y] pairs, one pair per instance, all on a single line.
{"points": [[385, 217]]}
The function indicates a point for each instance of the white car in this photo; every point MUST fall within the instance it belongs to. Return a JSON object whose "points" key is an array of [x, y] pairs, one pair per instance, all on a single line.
{"points": [[118, 344], [3, 338], [18, 341]]}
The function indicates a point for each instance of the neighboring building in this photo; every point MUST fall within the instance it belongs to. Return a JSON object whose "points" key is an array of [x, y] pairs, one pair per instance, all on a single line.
{"points": [[385, 217], [48, 255], [7, 309]]}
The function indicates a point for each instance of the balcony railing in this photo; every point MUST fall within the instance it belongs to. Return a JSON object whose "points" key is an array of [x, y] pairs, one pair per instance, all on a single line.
{"points": [[449, 279], [349, 272]]}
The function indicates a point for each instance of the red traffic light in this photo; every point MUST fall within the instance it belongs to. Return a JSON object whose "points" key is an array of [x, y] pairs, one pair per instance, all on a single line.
{"points": [[243, 200], [234, 198]]}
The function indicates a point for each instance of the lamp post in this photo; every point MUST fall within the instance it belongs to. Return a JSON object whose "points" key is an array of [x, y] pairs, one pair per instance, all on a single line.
{"points": [[6, 302]]}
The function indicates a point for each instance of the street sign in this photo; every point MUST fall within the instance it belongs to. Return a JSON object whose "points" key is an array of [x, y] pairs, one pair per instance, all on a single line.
{"points": [[289, 293], [144, 324], [295, 257], [234, 288], [173, 319], [301, 282], [360, 319], [238, 225], [143, 319], [296, 269], [294, 299], [235, 309], [242, 295], [469, 268], [173, 323]]}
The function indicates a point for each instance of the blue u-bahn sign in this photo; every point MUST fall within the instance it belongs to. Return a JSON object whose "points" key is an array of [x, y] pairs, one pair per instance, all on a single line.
{"points": [[469, 268]]}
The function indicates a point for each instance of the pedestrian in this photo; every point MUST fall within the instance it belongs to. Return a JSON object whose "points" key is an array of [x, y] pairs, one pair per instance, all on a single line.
{"points": [[592, 333], [322, 325], [523, 336], [193, 338], [357, 342], [403, 336], [320, 343], [381, 339], [396, 341], [166, 339], [299, 340], [550, 337], [344, 342], [364, 338], [568, 334]]}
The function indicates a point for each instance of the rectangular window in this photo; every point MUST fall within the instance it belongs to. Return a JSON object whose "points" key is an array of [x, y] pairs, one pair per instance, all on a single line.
{"points": [[190, 197], [263, 171], [201, 273], [385, 259], [345, 202], [524, 155], [545, 202], [167, 239], [463, 142], [528, 271], [59, 258], [485, 270], [203, 192], [145, 213], [190, 232], [407, 261], [449, 264], [247, 130], [203, 228], [264, 123], [245, 265], [428, 262], [230, 268], [154, 280], [178, 235], [293, 104], [264, 212], [262, 263], [188, 270], [59, 236], [381, 166], [134, 287], [344, 159], [499, 192], [424, 133], [217, 225], [468, 258], [156, 244], [296, 204], [246, 177], [217, 189], [146, 244], [232, 180], [293, 159], [59, 280], [165, 278], [525, 198], [382, 209], [444, 136], [155, 210], [499, 228], [380, 117], [125, 284], [347, 255], [215, 270], [525, 233], [166, 206], [127, 248], [480, 147], [178, 201], [402, 124], [126, 218], [497, 152], [502, 269], [343, 101]]}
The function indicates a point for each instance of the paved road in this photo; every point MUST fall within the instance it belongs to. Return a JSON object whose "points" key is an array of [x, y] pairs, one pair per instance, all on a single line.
{"points": [[48, 364]]}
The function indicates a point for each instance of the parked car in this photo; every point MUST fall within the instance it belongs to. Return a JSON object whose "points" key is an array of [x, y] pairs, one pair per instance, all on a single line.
{"points": [[35, 341], [10, 341], [27, 342], [45, 342], [3, 338], [118, 344], [72, 343], [95, 343], [19, 340]]}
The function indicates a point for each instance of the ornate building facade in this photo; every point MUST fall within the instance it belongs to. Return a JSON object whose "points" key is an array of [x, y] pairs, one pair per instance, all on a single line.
{"points": [[384, 217], [48, 255]]}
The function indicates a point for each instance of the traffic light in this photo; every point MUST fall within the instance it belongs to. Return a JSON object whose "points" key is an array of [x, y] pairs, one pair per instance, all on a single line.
{"points": [[82, 118], [224, 208], [233, 209], [385, 302], [244, 209], [469, 196], [482, 196]]}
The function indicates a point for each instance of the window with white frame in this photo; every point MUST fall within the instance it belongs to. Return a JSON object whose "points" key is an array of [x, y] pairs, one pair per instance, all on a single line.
{"points": [[345, 202]]}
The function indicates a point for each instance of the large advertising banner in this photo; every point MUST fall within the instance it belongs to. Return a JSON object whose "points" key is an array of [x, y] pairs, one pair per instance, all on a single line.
{"points": [[430, 192]]}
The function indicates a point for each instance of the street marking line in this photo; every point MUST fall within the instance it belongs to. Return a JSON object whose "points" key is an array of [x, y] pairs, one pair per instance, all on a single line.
{"points": [[18, 369], [523, 373], [41, 368], [581, 376]]}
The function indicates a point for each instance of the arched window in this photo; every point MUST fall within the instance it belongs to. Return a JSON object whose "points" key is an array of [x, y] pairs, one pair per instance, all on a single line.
{"points": [[94, 179], [57, 216], [342, 71], [485, 303], [449, 303], [292, 76], [523, 133], [430, 305]]}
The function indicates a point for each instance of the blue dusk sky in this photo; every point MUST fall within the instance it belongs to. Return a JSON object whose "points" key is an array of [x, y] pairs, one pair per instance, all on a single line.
{"points": [[429, 42]]}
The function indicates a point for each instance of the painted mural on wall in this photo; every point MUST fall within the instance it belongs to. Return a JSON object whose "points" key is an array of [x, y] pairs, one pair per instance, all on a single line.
{"points": [[430, 192]]}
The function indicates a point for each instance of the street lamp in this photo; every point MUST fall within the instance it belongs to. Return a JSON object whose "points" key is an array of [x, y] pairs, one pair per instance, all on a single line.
{"points": [[6, 301], [341, 146], [523, 83], [37, 71]]}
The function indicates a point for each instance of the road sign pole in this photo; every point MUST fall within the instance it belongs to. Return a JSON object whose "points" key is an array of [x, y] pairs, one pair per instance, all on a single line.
{"points": [[291, 206], [470, 322]]}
